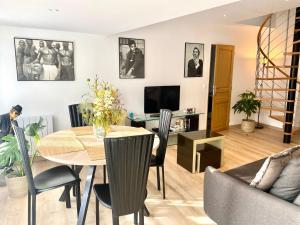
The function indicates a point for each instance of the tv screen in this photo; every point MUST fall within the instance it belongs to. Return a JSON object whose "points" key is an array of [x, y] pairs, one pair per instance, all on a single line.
{"points": [[161, 97]]}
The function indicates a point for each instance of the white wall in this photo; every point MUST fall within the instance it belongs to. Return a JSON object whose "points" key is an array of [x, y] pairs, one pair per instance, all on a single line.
{"points": [[47, 97], [164, 65]]}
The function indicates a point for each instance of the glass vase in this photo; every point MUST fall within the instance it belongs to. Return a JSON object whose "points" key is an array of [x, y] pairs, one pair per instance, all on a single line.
{"points": [[99, 132]]}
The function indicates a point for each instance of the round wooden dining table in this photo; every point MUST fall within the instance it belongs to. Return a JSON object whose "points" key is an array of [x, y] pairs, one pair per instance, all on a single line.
{"points": [[78, 146]]}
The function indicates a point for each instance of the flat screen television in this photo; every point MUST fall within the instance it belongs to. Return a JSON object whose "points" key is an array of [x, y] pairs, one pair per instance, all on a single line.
{"points": [[161, 97]]}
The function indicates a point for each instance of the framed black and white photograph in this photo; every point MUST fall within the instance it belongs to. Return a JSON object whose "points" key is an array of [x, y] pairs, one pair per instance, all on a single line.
{"points": [[44, 60], [193, 59], [131, 58]]}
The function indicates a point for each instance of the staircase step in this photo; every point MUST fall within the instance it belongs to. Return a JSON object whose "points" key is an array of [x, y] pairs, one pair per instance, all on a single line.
{"points": [[296, 42], [297, 30], [274, 100], [295, 130], [280, 119], [283, 66], [276, 109], [291, 53], [276, 78], [297, 18], [274, 89], [277, 117]]}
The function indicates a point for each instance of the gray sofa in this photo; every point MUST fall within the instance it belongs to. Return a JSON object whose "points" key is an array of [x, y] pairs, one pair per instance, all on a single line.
{"points": [[229, 200]]}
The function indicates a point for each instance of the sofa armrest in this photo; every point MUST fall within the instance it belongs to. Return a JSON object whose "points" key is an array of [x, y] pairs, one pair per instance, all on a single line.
{"points": [[229, 201]]}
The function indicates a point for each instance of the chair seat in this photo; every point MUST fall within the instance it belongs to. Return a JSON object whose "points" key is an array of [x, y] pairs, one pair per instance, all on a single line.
{"points": [[153, 161], [103, 194], [55, 177]]}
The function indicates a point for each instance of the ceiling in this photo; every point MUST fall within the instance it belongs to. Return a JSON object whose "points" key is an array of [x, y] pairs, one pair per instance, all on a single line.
{"points": [[115, 16]]}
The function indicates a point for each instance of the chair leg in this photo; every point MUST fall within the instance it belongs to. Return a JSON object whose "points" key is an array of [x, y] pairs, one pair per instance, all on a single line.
{"points": [[97, 212], [68, 199], [33, 210], [29, 208], [163, 180], [78, 197], [135, 218], [141, 216], [158, 178], [73, 167], [115, 220], [104, 174]]}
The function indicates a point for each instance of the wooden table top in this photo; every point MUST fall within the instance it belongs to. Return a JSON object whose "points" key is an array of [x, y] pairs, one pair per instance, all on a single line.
{"points": [[78, 146]]}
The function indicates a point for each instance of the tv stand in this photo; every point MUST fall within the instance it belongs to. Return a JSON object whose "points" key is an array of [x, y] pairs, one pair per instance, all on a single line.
{"points": [[154, 115], [145, 120]]}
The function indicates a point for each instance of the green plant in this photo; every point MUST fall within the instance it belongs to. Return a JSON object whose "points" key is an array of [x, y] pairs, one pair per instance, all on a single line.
{"points": [[10, 156], [102, 106], [247, 104]]}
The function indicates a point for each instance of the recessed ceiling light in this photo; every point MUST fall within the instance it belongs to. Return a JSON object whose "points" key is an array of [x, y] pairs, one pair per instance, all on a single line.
{"points": [[225, 15], [53, 10]]}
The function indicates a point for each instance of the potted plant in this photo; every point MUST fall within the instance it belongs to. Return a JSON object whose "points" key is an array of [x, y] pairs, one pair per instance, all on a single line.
{"points": [[101, 107], [247, 104], [11, 161]]}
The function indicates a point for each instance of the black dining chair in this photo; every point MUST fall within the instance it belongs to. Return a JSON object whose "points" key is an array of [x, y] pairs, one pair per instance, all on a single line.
{"points": [[158, 160], [127, 160], [75, 116], [60, 176], [77, 121]]}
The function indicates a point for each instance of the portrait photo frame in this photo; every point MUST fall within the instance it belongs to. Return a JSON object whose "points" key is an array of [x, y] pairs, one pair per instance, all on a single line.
{"points": [[131, 58], [193, 63], [44, 59]]}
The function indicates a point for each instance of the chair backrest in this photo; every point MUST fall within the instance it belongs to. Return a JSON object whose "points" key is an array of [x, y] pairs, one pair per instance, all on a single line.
{"points": [[127, 160], [163, 134], [75, 116], [20, 136]]}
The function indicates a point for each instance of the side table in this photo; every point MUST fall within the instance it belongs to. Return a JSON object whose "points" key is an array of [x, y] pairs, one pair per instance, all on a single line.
{"points": [[188, 143]]}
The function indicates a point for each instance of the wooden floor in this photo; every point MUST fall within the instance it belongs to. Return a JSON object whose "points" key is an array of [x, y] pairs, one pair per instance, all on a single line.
{"points": [[184, 203]]}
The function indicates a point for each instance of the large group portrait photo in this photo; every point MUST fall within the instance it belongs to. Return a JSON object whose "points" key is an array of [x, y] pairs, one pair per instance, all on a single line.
{"points": [[193, 59], [131, 58], [44, 60]]}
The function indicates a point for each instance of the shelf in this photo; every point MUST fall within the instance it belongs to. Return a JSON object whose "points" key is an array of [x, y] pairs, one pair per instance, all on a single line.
{"points": [[175, 114]]}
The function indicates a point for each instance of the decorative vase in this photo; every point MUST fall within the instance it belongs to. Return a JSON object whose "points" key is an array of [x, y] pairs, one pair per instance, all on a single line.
{"points": [[99, 132], [17, 186]]}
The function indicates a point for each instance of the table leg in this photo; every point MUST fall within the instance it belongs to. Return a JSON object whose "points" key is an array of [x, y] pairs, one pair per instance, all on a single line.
{"points": [[146, 211], [77, 171], [86, 195]]}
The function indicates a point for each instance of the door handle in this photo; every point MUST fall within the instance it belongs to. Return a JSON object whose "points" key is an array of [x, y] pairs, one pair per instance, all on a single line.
{"points": [[213, 91]]}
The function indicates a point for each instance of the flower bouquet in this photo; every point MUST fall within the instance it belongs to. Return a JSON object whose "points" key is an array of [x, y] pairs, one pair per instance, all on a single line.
{"points": [[101, 107]]}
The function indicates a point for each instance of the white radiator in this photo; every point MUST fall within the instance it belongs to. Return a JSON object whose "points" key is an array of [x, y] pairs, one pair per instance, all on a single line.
{"points": [[23, 121]]}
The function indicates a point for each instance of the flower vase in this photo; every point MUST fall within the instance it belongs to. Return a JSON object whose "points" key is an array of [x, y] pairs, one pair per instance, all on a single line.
{"points": [[99, 132]]}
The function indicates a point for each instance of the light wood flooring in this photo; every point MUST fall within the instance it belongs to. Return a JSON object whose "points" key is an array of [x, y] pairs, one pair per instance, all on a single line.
{"points": [[184, 201]]}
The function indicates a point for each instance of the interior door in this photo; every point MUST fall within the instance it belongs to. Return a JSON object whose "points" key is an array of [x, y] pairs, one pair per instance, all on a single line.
{"points": [[221, 88]]}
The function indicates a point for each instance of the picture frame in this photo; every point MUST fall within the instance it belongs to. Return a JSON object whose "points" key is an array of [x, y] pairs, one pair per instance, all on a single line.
{"points": [[193, 59], [44, 60], [131, 58]]}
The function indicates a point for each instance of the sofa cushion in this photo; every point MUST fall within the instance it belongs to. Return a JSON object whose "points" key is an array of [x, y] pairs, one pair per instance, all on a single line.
{"points": [[287, 186], [272, 168], [247, 172]]}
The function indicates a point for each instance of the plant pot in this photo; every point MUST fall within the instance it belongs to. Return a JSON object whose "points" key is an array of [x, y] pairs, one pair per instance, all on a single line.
{"points": [[2, 180], [17, 186], [248, 126]]}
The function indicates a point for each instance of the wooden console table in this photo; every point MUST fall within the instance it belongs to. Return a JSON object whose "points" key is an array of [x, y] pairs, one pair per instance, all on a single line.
{"points": [[207, 141]]}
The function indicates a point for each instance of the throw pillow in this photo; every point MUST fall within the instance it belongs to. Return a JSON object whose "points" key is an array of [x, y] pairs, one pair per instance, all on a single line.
{"points": [[287, 186], [272, 168], [297, 200]]}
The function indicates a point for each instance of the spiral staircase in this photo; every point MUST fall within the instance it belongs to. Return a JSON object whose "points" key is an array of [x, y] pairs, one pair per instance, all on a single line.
{"points": [[277, 85]]}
